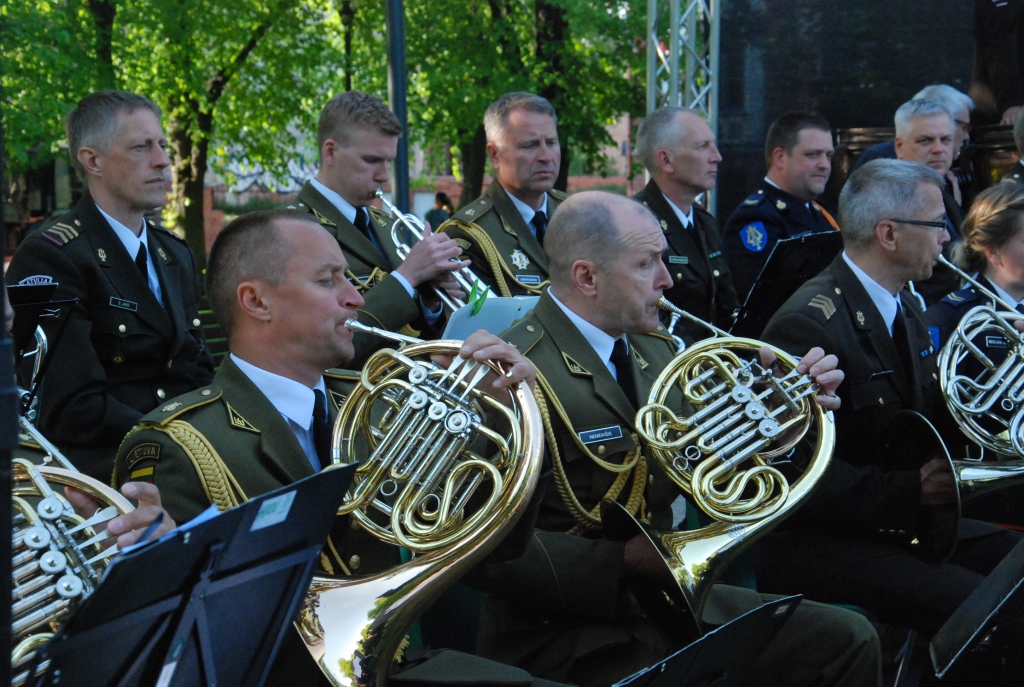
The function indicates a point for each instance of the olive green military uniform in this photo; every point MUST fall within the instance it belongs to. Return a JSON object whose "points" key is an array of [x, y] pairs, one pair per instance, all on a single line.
{"points": [[562, 610], [388, 305], [505, 253]]}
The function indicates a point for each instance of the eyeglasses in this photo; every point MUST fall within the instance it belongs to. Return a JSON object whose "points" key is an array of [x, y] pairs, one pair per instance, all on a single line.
{"points": [[922, 223]]}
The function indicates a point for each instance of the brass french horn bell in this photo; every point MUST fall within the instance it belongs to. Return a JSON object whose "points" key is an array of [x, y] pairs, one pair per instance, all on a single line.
{"points": [[445, 471], [745, 443]]}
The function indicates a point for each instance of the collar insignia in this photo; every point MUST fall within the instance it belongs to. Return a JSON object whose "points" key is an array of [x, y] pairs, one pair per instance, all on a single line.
{"points": [[162, 253], [574, 367], [239, 421], [664, 225], [101, 254], [323, 220], [520, 260], [860, 318], [639, 358], [824, 304], [780, 205], [336, 398]]}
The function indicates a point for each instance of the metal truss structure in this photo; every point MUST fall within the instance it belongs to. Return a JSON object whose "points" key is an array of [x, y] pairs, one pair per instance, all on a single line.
{"points": [[683, 55]]}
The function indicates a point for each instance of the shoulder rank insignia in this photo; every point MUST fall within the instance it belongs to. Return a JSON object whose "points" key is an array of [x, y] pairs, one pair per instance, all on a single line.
{"points": [[860, 318], [60, 233], [574, 367], [754, 237], [520, 260], [955, 297], [336, 398], [824, 304], [470, 212], [147, 451], [238, 421], [170, 407], [639, 358], [780, 204], [101, 254]]}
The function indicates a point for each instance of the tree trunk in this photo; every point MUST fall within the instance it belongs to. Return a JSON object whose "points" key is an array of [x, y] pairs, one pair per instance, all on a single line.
{"points": [[190, 150], [348, 21], [552, 31], [103, 14], [473, 159]]}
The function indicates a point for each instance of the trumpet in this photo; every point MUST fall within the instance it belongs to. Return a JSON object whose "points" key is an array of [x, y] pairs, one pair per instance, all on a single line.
{"points": [[465, 278]]}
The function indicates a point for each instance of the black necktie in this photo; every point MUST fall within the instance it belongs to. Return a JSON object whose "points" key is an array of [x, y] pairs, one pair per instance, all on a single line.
{"points": [[362, 222], [540, 224], [899, 338], [624, 370], [140, 262], [321, 429]]}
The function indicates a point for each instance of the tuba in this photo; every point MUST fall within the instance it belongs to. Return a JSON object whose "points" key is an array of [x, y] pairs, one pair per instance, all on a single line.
{"points": [[58, 558], [445, 471], [468, 282], [749, 453]]}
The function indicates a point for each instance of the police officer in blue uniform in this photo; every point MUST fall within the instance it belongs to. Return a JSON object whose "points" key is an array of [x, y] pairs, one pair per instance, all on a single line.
{"points": [[798, 153]]}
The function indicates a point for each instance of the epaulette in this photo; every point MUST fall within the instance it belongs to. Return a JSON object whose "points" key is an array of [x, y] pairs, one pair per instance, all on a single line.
{"points": [[962, 296], [558, 195], [182, 404], [297, 205], [661, 333], [168, 232], [475, 210], [1012, 178], [345, 375], [61, 233], [524, 335], [754, 198]]}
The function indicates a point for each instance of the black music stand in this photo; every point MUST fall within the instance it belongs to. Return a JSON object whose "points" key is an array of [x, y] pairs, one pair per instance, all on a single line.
{"points": [[29, 302], [792, 262], [980, 618], [722, 656], [207, 605]]}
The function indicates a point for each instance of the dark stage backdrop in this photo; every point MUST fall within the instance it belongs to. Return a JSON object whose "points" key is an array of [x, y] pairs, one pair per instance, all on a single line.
{"points": [[854, 62]]}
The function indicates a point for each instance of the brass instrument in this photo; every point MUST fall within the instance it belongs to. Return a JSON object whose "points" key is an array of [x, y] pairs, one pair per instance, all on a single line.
{"points": [[731, 455], [58, 558], [464, 276], [445, 472]]}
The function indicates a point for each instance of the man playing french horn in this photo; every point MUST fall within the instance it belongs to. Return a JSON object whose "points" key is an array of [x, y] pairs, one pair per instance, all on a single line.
{"points": [[565, 610], [277, 286]]}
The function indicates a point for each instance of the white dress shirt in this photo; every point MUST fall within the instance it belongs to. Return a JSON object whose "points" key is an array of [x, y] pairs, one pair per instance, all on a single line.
{"points": [[527, 212], [602, 342], [132, 243], [293, 400], [1002, 294], [687, 220], [349, 211], [886, 303]]}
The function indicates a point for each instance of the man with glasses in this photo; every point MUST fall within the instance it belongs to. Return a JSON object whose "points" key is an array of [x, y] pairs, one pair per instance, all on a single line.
{"points": [[853, 540]]}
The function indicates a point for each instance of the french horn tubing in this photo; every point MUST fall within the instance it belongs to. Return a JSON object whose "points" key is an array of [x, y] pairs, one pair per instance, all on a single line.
{"points": [[445, 470], [464, 276], [747, 447]]}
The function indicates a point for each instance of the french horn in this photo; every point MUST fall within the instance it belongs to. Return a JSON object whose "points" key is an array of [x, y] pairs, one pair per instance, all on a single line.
{"points": [[445, 471], [747, 446]]}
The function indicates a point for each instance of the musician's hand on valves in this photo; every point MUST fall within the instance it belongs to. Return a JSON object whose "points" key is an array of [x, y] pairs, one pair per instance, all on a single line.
{"points": [[482, 345], [937, 483], [433, 256], [823, 369], [448, 284], [130, 526], [1019, 324]]}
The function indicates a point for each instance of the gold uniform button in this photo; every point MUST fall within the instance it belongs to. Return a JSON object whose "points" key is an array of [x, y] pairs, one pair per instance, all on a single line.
{"points": [[160, 393], [196, 322], [530, 328], [121, 328], [354, 562], [206, 392], [601, 449], [679, 276]]}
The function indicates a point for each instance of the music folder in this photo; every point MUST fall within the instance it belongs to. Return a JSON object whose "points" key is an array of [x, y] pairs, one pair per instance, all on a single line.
{"points": [[722, 656], [792, 262], [205, 605], [976, 624]]}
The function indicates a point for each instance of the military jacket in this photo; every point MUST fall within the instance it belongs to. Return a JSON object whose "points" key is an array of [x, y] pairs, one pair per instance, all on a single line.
{"points": [[120, 353], [1015, 175], [834, 311], [564, 597], [504, 252], [388, 305], [702, 282], [226, 443], [767, 215]]}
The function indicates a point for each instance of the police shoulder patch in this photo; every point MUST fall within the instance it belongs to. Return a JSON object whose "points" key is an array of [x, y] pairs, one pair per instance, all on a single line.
{"points": [[936, 338], [754, 237]]}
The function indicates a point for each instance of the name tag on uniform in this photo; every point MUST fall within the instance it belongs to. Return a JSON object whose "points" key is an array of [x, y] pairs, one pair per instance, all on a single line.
{"points": [[592, 436], [995, 342], [529, 279], [712, 256], [678, 260], [123, 304]]}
